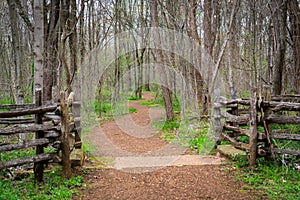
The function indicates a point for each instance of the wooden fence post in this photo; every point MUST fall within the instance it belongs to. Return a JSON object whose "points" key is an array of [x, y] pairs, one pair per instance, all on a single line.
{"points": [[267, 125], [65, 131], [217, 117], [76, 113], [253, 128], [39, 166]]}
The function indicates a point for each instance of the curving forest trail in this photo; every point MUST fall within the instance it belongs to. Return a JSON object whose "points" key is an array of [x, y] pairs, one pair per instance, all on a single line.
{"points": [[143, 166]]}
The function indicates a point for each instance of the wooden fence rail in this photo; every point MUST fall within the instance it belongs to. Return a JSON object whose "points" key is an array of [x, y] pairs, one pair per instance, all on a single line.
{"points": [[234, 116], [50, 123]]}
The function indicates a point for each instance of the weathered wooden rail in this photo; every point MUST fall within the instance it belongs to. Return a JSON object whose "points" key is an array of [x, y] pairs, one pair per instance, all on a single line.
{"points": [[233, 120], [52, 124]]}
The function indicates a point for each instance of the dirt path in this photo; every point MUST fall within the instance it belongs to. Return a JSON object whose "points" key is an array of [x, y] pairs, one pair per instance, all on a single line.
{"points": [[145, 167], [132, 135]]}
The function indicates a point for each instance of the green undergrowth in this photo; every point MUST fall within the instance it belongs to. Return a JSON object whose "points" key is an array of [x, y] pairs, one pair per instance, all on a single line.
{"points": [[159, 102], [5, 101], [190, 134], [132, 110], [275, 182], [278, 143], [14, 154], [87, 147], [106, 109], [19, 153], [168, 125], [151, 103], [198, 136], [54, 187], [134, 98], [287, 144]]}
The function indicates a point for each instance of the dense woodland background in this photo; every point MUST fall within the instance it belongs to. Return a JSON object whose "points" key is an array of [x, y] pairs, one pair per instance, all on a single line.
{"points": [[105, 52], [44, 43]]}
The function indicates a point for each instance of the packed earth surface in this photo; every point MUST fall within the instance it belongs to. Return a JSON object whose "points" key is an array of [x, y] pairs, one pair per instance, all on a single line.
{"points": [[141, 165]]}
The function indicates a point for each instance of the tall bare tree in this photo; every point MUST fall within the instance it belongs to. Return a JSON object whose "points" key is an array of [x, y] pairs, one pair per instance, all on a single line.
{"points": [[19, 98], [200, 89], [294, 16], [51, 13], [159, 59], [279, 18], [38, 43]]}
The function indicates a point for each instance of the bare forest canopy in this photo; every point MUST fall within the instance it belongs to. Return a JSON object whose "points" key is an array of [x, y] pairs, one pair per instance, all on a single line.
{"points": [[104, 49]]}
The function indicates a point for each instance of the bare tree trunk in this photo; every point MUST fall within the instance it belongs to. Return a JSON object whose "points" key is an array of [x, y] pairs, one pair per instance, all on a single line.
{"points": [[19, 97], [91, 24], [51, 53], [147, 71], [231, 56], [269, 61], [38, 46], [64, 28], [116, 49], [159, 59], [294, 16], [279, 10], [139, 58], [222, 50], [38, 43], [73, 42], [209, 42], [209, 34], [81, 32], [200, 89], [140, 53]]}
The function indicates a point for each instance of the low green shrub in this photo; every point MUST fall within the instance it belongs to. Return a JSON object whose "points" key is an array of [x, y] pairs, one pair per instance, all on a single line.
{"points": [[275, 182], [54, 187]]}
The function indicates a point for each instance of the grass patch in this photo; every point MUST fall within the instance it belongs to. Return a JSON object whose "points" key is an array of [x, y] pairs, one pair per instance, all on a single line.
{"points": [[274, 182], [6, 101], [134, 98], [87, 147], [158, 102], [240, 161], [193, 135], [104, 108], [132, 110], [14, 154], [151, 103], [167, 126], [200, 140], [290, 128], [19, 153], [54, 187]]}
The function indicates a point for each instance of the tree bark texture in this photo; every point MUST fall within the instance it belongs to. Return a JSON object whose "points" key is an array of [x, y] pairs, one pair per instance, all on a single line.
{"points": [[279, 17], [159, 59], [38, 43], [65, 129], [294, 16]]}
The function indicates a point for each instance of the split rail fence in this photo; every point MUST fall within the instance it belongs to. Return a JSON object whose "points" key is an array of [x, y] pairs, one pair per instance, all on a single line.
{"points": [[52, 124], [261, 121]]}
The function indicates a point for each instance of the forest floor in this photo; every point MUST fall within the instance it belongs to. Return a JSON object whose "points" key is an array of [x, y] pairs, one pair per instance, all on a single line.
{"points": [[141, 165]]}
